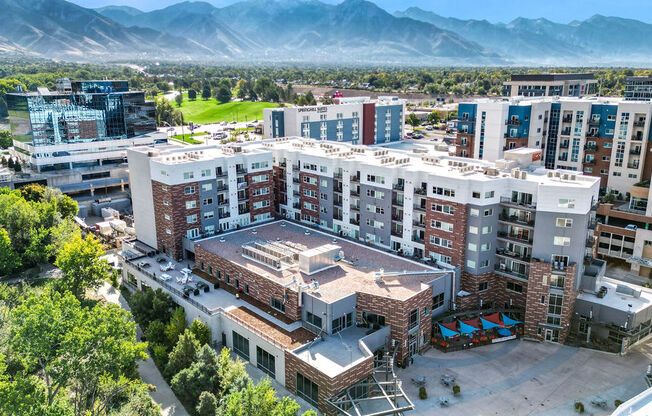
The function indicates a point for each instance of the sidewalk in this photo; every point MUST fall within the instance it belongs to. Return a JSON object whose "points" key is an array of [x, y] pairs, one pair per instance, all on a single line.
{"points": [[164, 396]]}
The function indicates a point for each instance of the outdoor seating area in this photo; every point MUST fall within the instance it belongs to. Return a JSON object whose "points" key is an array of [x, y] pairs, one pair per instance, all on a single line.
{"points": [[475, 331]]}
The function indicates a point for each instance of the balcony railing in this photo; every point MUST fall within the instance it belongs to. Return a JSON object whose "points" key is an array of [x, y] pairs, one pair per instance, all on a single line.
{"points": [[515, 237], [397, 233], [419, 208], [515, 219], [632, 165], [240, 171], [420, 191], [565, 132], [590, 241], [589, 162], [594, 122], [224, 215], [505, 200], [418, 239], [354, 207], [397, 202], [419, 224], [637, 137], [513, 122], [355, 178], [639, 123], [591, 147], [513, 255], [502, 268], [564, 145], [398, 187], [354, 221], [223, 202], [567, 119], [221, 174], [635, 151]]}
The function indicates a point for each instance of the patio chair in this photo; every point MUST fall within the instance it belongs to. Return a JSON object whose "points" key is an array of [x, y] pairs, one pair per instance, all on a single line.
{"points": [[179, 280], [443, 401]]}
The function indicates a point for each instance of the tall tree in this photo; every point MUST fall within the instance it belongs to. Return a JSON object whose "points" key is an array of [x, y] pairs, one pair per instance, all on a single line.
{"points": [[183, 354], [206, 91], [201, 331], [81, 265], [412, 120], [179, 99], [9, 260], [223, 94]]}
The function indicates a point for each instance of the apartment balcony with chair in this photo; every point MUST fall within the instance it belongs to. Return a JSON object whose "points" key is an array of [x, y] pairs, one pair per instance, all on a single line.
{"points": [[516, 203], [591, 147], [520, 272], [513, 122], [518, 219], [564, 145], [524, 257], [635, 151], [519, 238], [355, 178]]}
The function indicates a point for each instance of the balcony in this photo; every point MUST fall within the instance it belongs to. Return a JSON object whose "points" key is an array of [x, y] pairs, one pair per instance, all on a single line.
{"points": [[419, 208], [593, 134], [398, 187], [520, 239], [337, 175], [635, 151], [242, 198], [518, 220], [354, 221], [355, 192], [418, 239], [513, 122], [220, 188], [632, 165], [589, 241], [223, 202], [564, 145], [283, 164], [513, 136], [240, 171], [223, 215], [505, 200], [594, 122], [419, 224], [337, 189], [296, 193], [463, 143], [565, 132], [591, 147], [637, 137], [354, 207], [501, 268], [296, 205], [567, 119], [221, 174], [337, 216], [355, 179], [525, 258], [296, 167], [592, 224], [396, 202], [420, 191], [563, 158], [337, 203], [243, 185], [397, 233], [639, 123], [589, 162], [295, 180]]}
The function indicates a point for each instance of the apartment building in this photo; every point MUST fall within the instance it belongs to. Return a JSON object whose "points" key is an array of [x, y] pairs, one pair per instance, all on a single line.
{"points": [[602, 137], [550, 85], [76, 138], [505, 226], [638, 88], [310, 310], [357, 120]]}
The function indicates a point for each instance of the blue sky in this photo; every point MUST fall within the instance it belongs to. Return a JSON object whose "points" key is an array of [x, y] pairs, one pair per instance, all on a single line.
{"points": [[562, 11]]}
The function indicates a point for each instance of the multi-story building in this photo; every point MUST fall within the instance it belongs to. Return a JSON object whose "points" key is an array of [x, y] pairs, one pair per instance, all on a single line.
{"points": [[606, 138], [505, 225], [355, 120], [638, 88], [550, 85], [76, 138]]}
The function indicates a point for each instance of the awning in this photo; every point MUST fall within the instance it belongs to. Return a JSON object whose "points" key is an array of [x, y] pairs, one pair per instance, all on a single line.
{"points": [[447, 333], [467, 329], [473, 322], [450, 325], [509, 321], [504, 332], [488, 325], [493, 318]]}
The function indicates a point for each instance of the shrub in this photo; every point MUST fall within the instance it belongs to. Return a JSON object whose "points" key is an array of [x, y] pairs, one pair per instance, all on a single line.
{"points": [[159, 354], [201, 331], [579, 407], [456, 390], [617, 402], [151, 387], [423, 395], [155, 333]]}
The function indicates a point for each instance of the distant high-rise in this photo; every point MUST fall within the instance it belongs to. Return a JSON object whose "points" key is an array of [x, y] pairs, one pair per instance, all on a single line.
{"points": [[638, 88]]}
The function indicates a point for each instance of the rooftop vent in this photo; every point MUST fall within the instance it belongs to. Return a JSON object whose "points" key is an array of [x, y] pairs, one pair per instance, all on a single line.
{"points": [[319, 258]]}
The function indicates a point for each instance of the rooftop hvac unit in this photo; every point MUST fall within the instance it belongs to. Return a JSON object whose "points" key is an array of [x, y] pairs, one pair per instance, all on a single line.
{"points": [[550, 174], [573, 177], [557, 174], [564, 177], [523, 175]]}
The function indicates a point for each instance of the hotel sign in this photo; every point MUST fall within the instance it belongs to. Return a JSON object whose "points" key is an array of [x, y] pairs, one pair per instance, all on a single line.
{"points": [[322, 109]]}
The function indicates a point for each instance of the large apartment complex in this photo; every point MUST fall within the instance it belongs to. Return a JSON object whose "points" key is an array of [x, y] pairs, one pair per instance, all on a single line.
{"points": [[638, 88], [605, 138], [76, 137], [550, 85], [357, 120]]}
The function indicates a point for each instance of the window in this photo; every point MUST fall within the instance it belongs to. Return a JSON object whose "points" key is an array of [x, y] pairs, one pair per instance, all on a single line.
{"points": [[261, 204], [554, 304], [475, 194], [164, 173], [474, 212], [557, 281], [191, 204], [259, 165], [414, 319], [565, 222], [441, 242], [209, 214], [260, 191], [205, 172], [313, 319], [543, 299], [473, 229], [470, 263], [445, 209], [437, 301], [443, 191], [342, 322], [309, 180], [164, 188], [207, 201], [489, 194], [323, 183], [323, 169], [310, 193], [514, 287], [191, 219], [376, 179], [307, 390], [441, 225], [266, 362], [376, 224], [485, 247], [487, 229], [167, 231], [207, 187], [167, 217], [189, 190], [188, 175], [483, 286], [440, 257], [484, 263], [566, 203], [309, 206], [562, 241], [241, 346], [261, 178], [488, 212], [473, 247], [277, 304], [375, 194]]}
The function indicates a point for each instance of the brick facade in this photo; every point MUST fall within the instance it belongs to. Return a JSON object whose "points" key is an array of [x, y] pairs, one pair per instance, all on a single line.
{"points": [[252, 186], [327, 386], [599, 152], [536, 312], [170, 201], [496, 294], [260, 288], [305, 186], [397, 314], [470, 140], [515, 143], [458, 236]]}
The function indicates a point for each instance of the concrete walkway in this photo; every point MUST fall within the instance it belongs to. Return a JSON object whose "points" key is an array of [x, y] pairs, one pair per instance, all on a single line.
{"points": [[164, 396]]}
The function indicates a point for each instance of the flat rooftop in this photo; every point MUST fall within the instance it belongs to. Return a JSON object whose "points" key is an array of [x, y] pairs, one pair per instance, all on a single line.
{"points": [[354, 273], [618, 300], [558, 76]]}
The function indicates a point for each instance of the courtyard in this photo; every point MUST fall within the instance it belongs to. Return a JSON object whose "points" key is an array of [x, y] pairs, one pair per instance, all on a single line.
{"points": [[523, 378]]}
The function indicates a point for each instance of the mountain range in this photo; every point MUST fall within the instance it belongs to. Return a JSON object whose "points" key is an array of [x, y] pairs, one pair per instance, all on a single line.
{"points": [[310, 31]]}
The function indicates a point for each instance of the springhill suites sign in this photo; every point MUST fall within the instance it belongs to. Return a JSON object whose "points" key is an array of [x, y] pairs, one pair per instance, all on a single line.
{"points": [[316, 109]]}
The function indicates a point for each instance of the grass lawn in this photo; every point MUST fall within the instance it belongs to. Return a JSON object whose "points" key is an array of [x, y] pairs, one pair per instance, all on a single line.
{"points": [[187, 138], [209, 111]]}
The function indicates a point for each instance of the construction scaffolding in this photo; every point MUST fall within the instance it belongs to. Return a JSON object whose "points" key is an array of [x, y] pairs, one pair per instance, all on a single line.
{"points": [[378, 395]]}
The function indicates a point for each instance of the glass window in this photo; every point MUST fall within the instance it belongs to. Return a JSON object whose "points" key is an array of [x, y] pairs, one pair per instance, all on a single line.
{"points": [[414, 319], [277, 304], [437, 301], [307, 390], [266, 362], [241, 346]]}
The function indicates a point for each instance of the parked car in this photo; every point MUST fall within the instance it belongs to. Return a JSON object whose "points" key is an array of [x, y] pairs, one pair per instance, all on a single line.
{"points": [[429, 128], [632, 227]]}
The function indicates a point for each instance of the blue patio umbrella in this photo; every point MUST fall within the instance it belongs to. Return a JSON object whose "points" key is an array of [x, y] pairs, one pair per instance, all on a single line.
{"points": [[467, 329], [488, 325], [447, 333], [504, 332]]}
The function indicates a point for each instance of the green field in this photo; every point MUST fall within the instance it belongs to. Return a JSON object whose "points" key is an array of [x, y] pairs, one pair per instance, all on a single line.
{"points": [[187, 138], [209, 111]]}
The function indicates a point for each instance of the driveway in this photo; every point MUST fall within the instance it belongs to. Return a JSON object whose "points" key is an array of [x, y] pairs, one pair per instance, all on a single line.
{"points": [[164, 396], [525, 378]]}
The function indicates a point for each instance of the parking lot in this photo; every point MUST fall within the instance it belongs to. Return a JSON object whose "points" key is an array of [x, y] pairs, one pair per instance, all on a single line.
{"points": [[524, 378]]}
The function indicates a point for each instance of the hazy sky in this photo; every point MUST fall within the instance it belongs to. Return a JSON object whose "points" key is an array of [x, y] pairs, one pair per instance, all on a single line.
{"points": [[562, 11]]}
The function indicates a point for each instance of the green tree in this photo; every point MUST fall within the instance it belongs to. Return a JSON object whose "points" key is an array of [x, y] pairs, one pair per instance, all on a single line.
{"points": [[434, 117], [60, 234], [179, 99], [149, 305], [5, 139], [310, 98], [206, 91], [81, 265], [33, 192], [176, 326], [192, 95], [201, 375], [183, 354], [223, 95], [412, 120], [155, 333], [140, 404], [9, 260], [207, 404], [201, 331]]}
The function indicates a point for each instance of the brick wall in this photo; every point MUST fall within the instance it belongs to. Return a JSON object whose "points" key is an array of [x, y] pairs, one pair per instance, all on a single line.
{"points": [[171, 200], [458, 236], [600, 152], [537, 312], [328, 386], [303, 198], [260, 288], [280, 188], [397, 314], [513, 143], [496, 293], [267, 197], [470, 139]]}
